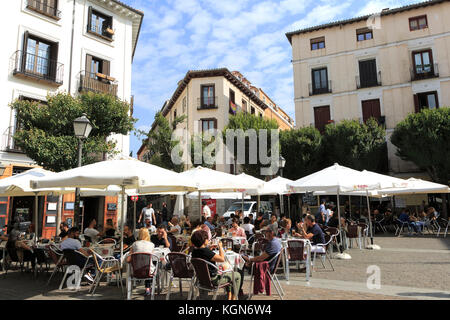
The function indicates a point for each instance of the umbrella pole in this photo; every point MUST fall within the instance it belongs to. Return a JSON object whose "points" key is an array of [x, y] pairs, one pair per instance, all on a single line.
{"points": [[259, 203], [122, 209], [134, 216], [289, 205], [82, 219], [200, 204], [339, 217], [370, 220], [59, 215], [36, 214], [242, 203]]}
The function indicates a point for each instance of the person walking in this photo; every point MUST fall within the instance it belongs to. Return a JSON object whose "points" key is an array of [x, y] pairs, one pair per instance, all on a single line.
{"points": [[147, 213]]}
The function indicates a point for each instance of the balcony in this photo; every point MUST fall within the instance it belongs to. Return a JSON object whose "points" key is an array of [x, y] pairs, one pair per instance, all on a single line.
{"points": [[98, 83], [425, 72], [7, 142], [368, 83], [322, 90], [43, 8], [104, 32], [206, 103], [29, 66]]}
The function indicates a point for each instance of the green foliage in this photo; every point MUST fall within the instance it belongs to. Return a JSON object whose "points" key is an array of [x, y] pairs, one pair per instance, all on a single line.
{"points": [[424, 138], [355, 145], [246, 121], [160, 144], [46, 131], [301, 149], [206, 142]]}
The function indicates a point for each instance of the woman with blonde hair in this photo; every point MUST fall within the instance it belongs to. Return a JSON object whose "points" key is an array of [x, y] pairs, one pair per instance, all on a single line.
{"points": [[143, 245]]}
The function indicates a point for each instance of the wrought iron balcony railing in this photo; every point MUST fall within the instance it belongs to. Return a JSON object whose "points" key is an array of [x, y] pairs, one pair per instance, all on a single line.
{"points": [[38, 68], [97, 82], [313, 90], [43, 8]]}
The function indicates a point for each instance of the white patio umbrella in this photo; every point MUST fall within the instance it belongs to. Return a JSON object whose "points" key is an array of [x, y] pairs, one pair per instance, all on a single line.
{"points": [[260, 183], [128, 174], [416, 186], [19, 186], [217, 195], [216, 181], [179, 206], [339, 179]]}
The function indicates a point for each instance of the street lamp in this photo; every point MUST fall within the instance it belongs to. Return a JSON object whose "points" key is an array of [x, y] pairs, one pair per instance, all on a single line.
{"points": [[82, 128]]}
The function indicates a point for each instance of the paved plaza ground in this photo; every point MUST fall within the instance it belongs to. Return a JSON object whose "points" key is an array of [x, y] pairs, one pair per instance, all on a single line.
{"points": [[411, 268]]}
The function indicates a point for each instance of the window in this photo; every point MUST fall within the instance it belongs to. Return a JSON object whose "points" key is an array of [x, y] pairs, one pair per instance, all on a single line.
{"points": [[252, 110], [368, 76], [39, 56], [426, 100], [233, 108], [100, 24], [371, 109], [96, 67], [208, 96], [46, 7], [364, 34], [320, 81], [321, 117], [423, 62], [209, 124], [417, 23], [244, 105], [174, 114], [318, 43], [184, 104]]}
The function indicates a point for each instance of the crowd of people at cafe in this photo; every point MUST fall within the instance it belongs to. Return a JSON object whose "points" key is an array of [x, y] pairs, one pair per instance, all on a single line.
{"points": [[159, 229]]}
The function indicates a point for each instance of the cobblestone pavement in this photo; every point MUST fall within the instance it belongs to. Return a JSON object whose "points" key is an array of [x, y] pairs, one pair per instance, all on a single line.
{"points": [[411, 268]]}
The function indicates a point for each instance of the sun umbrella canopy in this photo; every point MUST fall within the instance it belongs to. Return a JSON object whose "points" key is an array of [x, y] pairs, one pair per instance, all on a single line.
{"points": [[216, 181], [132, 174], [218, 195], [417, 186], [19, 185], [277, 186], [339, 179]]}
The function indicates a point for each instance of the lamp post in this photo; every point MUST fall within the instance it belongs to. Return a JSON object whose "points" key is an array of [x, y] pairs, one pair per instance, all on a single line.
{"points": [[281, 164], [82, 128]]}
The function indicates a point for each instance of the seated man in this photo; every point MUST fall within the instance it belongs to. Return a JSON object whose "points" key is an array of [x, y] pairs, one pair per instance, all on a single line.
{"points": [[273, 247], [110, 231], [64, 227], [160, 238], [310, 230], [91, 232], [209, 223], [71, 244], [128, 237], [148, 225], [174, 227], [248, 227]]}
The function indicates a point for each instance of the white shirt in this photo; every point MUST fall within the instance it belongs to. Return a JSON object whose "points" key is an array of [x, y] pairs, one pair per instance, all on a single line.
{"points": [[248, 227], [143, 246], [91, 233], [148, 214], [178, 228], [206, 211], [329, 214]]}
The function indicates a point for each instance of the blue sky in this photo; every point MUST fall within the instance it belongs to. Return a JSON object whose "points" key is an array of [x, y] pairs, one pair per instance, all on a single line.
{"points": [[244, 35]]}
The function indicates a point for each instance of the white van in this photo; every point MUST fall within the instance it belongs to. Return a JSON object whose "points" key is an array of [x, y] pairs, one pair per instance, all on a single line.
{"points": [[250, 207]]}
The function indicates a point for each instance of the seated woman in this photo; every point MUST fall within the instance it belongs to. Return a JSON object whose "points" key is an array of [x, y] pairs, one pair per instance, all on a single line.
{"points": [[200, 241], [235, 230], [143, 245], [286, 227]]}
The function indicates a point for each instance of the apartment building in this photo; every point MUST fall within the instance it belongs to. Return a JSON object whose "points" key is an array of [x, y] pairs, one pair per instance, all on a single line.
{"points": [[385, 66], [52, 46], [209, 97]]}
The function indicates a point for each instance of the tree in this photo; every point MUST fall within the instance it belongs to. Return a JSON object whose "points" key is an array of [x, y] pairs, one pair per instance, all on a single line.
{"points": [[45, 131], [159, 143], [356, 145], [301, 149], [245, 122], [424, 139]]}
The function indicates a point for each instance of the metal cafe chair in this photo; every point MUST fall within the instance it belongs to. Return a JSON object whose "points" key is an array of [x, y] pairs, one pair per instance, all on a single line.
{"points": [[182, 269], [203, 278], [141, 269], [271, 274]]}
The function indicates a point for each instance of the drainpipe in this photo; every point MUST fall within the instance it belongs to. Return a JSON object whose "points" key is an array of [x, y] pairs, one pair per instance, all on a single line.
{"points": [[71, 48]]}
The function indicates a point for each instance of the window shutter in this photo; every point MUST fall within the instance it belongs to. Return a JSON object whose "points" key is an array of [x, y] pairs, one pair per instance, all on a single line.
{"points": [[88, 64], [54, 60], [215, 123], [24, 50], [416, 103], [106, 68], [89, 19]]}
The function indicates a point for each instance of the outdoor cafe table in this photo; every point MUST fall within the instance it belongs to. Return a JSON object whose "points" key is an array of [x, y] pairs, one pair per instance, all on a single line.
{"points": [[307, 250]]}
